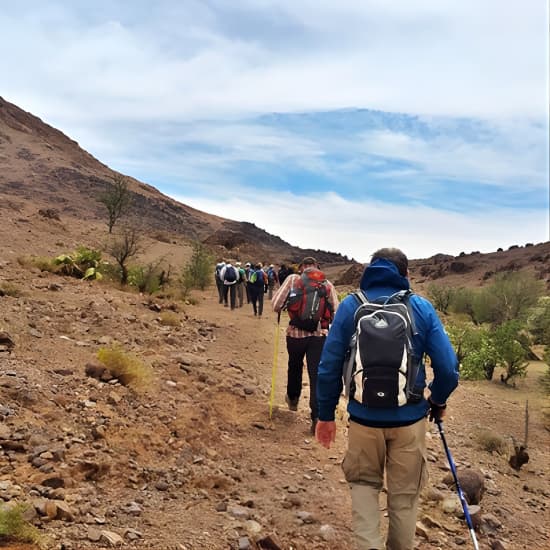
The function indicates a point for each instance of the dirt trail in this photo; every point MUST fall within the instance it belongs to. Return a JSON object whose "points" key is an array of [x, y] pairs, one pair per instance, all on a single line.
{"points": [[197, 454], [289, 473]]}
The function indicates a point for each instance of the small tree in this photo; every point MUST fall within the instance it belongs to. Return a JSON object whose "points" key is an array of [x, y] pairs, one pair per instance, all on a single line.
{"points": [[117, 199], [508, 298], [539, 321], [198, 272], [441, 296], [474, 350], [461, 301], [124, 247], [511, 349]]}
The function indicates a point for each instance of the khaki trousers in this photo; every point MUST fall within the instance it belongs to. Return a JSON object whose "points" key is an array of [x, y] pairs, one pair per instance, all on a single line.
{"points": [[402, 453]]}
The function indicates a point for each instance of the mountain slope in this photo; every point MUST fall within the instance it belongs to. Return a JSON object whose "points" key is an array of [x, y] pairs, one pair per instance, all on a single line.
{"points": [[41, 165]]}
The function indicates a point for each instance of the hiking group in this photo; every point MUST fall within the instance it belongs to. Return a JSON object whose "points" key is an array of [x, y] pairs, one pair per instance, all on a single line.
{"points": [[236, 283], [371, 347]]}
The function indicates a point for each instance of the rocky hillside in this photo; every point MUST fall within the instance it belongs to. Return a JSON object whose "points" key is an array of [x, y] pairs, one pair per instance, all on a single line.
{"points": [[470, 269], [43, 167]]}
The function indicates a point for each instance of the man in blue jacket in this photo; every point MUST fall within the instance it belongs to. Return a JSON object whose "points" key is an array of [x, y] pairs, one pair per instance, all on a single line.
{"points": [[393, 438]]}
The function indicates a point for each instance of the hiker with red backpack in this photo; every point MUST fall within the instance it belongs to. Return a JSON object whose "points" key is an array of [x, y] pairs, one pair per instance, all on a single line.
{"points": [[375, 350], [311, 301]]}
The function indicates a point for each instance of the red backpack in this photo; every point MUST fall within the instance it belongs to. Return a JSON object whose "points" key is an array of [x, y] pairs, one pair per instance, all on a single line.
{"points": [[308, 303]]}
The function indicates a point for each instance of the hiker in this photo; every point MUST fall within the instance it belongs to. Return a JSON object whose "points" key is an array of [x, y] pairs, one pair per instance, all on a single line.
{"points": [[241, 283], [272, 281], [257, 280], [283, 273], [305, 337], [391, 438], [247, 271], [219, 282], [230, 276]]}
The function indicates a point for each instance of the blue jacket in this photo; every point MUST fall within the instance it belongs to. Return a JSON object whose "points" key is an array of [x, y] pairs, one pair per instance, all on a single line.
{"points": [[382, 278]]}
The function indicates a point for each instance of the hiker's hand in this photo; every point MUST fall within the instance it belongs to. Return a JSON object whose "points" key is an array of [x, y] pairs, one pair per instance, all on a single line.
{"points": [[325, 432], [437, 411]]}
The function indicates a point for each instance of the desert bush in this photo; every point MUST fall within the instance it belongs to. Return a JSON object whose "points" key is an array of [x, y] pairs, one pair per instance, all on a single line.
{"points": [[512, 348], [9, 289], [441, 296], [510, 297], [144, 279], [169, 319], [83, 263], [491, 442], [198, 271], [462, 301], [474, 350], [538, 321], [125, 366], [14, 527], [150, 278]]}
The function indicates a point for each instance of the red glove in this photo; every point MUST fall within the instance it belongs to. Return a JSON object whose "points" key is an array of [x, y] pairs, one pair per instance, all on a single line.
{"points": [[325, 432]]}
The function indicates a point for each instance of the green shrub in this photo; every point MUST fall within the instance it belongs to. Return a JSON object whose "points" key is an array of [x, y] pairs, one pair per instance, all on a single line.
{"points": [[474, 350], [441, 296], [512, 348], [84, 263], [538, 321], [13, 526], [147, 279], [510, 297], [198, 272], [128, 368], [462, 302]]}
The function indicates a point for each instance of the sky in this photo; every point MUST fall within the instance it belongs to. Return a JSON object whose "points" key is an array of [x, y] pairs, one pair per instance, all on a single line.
{"points": [[341, 125]]}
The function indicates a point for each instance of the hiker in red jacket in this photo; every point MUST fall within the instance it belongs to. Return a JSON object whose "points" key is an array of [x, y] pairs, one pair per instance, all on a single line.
{"points": [[306, 332]]}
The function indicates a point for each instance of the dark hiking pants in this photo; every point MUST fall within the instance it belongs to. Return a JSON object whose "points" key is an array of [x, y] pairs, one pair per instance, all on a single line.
{"points": [[309, 347]]}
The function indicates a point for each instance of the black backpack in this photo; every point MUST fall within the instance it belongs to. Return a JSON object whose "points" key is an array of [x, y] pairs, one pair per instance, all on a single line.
{"points": [[230, 275], [381, 367]]}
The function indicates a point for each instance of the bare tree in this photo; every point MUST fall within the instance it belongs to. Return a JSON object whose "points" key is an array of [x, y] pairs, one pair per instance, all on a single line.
{"points": [[116, 199], [124, 247]]}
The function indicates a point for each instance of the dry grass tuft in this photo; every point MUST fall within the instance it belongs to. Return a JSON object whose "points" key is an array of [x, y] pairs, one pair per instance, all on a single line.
{"points": [[14, 527], [491, 442], [169, 319], [128, 368]]}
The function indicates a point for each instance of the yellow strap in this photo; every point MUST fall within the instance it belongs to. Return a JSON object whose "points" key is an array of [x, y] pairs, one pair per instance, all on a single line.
{"points": [[274, 369]]}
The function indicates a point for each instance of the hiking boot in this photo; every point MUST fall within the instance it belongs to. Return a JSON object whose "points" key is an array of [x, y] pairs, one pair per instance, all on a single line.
{"points": [[292, 403], [313, 425]]}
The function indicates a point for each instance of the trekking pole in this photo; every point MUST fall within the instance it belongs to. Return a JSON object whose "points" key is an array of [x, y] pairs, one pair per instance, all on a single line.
{"points": [[274, 368], [458, 487]]}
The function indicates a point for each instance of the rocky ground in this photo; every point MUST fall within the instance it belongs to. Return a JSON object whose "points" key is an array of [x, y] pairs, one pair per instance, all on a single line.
{"points": [[193, 460]]}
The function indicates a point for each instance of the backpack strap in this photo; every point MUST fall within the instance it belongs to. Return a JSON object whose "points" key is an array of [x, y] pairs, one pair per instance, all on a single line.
{"points": [[404, 296]]}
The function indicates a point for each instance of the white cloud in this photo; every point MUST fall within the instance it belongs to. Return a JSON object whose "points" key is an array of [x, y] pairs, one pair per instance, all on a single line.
{"points": [[452, 58], [358, 228], [517, 155]]}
